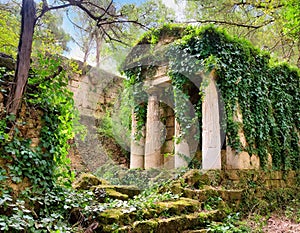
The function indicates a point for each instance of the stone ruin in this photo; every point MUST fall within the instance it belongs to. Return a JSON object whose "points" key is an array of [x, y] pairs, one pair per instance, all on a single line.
{"points": [[149, 152]]}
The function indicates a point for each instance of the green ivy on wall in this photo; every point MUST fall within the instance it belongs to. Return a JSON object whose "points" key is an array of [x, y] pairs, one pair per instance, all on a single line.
{"points": [[43, 169], [47, 162], [267, 93]]}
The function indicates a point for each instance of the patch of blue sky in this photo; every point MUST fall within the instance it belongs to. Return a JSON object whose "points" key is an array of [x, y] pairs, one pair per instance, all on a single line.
{"points": [[122, 2]]}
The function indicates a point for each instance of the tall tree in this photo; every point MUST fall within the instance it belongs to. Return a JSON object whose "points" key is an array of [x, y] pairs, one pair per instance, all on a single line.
{"points": [[28, 13], [150, 13], [90, 37], [264, 23], [99, 13]]}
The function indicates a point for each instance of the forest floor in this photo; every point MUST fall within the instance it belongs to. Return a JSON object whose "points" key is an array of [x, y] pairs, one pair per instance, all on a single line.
{"points": [[277, 222]]}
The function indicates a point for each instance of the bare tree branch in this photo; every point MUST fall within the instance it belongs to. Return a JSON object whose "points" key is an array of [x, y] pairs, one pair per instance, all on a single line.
{"points": [[229, 23], [123, 21], [259, 5], [46, 9]]}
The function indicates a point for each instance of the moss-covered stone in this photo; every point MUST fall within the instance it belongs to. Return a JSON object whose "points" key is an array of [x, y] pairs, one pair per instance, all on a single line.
{"points": [[192, 178], [129, 190], [113, 194], [121, 192], [113, 216], [183, 205], [147, 226], [87, 180], [173, 224], [176, 223]]}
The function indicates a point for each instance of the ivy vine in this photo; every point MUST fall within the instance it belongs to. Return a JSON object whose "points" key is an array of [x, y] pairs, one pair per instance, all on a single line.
{"points": [[42, 168], [266, 92]]}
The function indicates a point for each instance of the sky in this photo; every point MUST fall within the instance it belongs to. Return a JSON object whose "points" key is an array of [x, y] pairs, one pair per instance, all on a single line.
{"points": [[76, 53]]}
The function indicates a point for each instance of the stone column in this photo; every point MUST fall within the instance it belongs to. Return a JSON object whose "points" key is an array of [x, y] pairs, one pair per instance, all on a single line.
{"points": [[182, 150], [211, 138], [137, 147], [153, 157]]}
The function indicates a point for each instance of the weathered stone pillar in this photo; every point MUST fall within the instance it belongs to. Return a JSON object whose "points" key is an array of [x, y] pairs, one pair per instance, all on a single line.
{"points": [[182, 150], [211, 138], [153, 157], [137, 147]]}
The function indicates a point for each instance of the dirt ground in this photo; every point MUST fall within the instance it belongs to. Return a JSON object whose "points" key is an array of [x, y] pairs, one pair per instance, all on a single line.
{"points": [[277, 224]]}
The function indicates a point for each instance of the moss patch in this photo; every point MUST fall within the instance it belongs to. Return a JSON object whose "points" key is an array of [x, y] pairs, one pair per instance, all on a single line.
{"points": [[87, 180]]}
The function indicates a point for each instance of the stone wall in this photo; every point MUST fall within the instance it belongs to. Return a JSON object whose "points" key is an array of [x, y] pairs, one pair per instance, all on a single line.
{"points": [[241, 185], [94, 95], [269, 179]]}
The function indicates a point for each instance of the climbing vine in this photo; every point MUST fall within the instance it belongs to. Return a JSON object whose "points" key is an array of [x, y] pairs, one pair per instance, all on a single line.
{"points": [[33, 152], [266, 93]]}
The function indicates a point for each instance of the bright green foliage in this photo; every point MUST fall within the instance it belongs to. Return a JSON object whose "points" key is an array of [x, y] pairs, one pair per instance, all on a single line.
{"points": [[53, 96], [42, 212], [271, 25], [9, 33], [292, 18], [45, 166], [268, 94], [50, 94], [230, 224], [49, 36]]}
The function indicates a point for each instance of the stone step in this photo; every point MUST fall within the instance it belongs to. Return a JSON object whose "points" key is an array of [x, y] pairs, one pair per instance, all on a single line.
{"points": [[180, 223], [206, 192], [121, 192], [167, 208]]}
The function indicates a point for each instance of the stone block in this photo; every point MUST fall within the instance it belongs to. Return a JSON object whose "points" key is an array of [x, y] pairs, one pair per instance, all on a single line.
{"points": [[192, 178], [161, 71], [113, 194], [168, 147], [170, 131], [170, 121], [129, 190], [145, 226], [86, 181], [241, 160], [169, 161]]}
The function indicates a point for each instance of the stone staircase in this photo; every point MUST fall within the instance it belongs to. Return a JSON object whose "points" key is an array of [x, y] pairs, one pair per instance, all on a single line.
{"points": [[186, 214], [197, 201], [189, 213], [182, 215]]}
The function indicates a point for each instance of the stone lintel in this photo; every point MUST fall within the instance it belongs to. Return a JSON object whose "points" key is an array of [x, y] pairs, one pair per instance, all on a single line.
{"points": [[158, 82]]}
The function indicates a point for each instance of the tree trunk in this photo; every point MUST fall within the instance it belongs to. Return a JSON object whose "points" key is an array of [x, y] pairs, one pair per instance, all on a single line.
{"points": [[28, 14], [99, 43]]}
